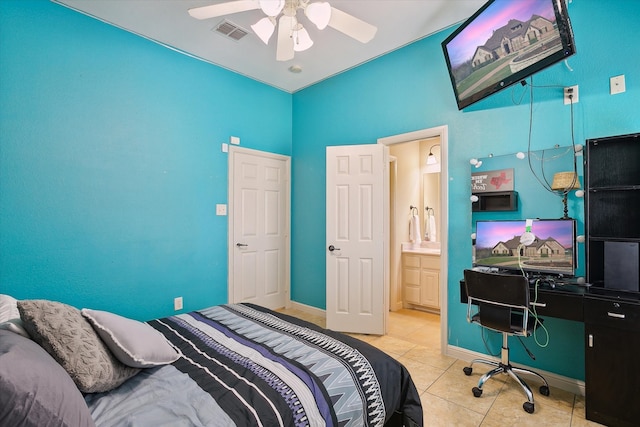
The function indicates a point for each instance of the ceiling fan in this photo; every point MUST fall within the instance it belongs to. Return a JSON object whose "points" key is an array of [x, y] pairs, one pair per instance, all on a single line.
{"points": [[292, 36]]}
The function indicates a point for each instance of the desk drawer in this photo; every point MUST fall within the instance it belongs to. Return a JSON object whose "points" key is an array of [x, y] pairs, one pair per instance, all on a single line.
{"points": [[615, 314], [557, 304]]}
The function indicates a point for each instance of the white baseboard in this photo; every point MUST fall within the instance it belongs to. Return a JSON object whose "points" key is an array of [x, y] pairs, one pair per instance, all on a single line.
{"points": [[308, 309], [571, 385]]}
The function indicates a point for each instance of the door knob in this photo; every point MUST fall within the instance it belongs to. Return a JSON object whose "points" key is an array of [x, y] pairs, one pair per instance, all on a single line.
{"points": [[333, 248], [241, 244]]}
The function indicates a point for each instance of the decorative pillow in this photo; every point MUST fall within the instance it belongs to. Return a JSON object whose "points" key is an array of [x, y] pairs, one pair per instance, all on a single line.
{"points": [[134, 343], [69, 338], [34, 389]]}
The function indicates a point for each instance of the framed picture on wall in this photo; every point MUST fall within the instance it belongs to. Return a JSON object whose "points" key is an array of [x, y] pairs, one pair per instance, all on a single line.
{"points": [[492, 181]]}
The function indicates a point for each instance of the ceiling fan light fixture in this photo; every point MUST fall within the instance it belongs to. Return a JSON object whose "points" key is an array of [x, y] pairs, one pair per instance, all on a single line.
{"points": [[301, 39], [319, 13], [272, 7], [264, 28]]}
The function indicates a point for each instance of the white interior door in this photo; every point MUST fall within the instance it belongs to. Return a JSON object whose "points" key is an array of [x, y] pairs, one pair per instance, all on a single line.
{"points": [[357, 237], [259, 228]]}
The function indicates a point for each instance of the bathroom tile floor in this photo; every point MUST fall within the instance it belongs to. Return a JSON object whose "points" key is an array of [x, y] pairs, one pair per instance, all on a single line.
{"points": [[445, 391]]}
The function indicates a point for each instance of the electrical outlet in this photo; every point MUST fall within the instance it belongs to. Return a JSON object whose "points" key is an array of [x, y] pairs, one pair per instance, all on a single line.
{"points": [[573, 92], [177, 303]]}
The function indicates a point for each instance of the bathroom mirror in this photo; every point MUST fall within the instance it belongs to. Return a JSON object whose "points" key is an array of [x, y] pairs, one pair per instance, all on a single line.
{"points": [[431, 208]]}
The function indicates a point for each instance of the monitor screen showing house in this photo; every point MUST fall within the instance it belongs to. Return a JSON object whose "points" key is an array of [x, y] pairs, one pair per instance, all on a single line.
{"points": [[497, 244]]}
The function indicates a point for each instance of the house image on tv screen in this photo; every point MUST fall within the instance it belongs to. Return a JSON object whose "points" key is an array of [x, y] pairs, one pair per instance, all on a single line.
{"points": [[543, 255], [515, 37], [540, 248]]}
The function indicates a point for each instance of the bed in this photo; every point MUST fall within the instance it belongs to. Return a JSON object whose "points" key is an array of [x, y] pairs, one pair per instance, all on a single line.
{"points": [[236, 364]]}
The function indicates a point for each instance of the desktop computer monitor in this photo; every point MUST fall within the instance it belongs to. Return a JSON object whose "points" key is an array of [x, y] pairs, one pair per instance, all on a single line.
{"points": [[551, 252]]}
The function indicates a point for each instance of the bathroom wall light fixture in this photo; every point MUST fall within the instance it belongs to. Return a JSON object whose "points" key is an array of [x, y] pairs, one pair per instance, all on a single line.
{"points": [[431, 158], [433, 165]]}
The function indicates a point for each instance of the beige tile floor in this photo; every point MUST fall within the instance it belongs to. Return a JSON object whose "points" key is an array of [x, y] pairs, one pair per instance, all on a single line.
{"points": [[445, 391]]}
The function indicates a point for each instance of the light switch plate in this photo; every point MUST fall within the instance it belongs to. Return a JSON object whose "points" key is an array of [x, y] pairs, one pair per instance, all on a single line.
{"points": [[221, 209], [617, 84]]}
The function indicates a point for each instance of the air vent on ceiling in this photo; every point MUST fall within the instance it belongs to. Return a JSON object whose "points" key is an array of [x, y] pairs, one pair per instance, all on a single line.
{"points": [[230, 30]]}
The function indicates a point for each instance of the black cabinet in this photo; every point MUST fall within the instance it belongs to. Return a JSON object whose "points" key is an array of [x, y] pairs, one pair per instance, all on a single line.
{"points": [[612, 319], [612, 206], [612, 345]]}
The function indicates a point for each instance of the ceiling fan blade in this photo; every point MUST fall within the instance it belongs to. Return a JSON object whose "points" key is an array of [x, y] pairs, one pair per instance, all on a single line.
{"points": [[214, 10], [285, 50], [352, 26]]}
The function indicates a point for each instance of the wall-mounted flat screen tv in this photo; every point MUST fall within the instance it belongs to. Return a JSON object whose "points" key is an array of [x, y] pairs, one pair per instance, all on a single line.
{"points": [[505, 42], [497, 245]]}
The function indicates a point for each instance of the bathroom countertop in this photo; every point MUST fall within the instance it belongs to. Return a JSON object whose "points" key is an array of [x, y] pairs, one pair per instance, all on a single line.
{"points": [[412, 248]]}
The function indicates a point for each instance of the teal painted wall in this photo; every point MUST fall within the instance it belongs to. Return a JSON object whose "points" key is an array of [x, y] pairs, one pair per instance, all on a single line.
{"points": [[111, 163], [409, 90]]}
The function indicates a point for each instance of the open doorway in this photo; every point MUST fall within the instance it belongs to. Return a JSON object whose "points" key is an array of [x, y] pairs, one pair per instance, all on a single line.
{"points": [[398, 215]]}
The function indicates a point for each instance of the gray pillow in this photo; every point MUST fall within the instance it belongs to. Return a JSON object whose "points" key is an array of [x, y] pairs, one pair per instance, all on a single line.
{"points": [[69, 338], [134, 343], [34, 390]]}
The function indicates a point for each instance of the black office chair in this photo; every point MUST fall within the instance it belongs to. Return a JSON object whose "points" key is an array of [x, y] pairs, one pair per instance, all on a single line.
{"points": [[502, 302]]}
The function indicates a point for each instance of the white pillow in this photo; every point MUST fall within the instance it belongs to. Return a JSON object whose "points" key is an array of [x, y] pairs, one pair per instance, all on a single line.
{"points": [[134, 343], [8, 308], [10, 316]]}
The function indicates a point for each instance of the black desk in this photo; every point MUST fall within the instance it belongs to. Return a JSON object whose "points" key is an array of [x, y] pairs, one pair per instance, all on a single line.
{"points": [[566, 301], [562, 301], [612, 345]]}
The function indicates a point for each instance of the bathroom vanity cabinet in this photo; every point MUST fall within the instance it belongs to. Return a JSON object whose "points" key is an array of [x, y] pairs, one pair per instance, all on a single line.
{"points": [[421, 280]]}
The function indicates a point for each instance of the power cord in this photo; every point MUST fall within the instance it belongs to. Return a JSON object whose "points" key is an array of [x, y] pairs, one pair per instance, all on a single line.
{"points": [[486, 345], [538, 323], [533, 312], [544, 181]]}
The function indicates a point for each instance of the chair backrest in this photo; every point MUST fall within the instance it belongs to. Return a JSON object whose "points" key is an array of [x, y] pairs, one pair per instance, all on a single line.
{"points": [[502, 301]]}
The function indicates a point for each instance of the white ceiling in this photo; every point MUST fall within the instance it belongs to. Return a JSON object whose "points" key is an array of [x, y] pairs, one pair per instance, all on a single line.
{"points": [[399, 23]]}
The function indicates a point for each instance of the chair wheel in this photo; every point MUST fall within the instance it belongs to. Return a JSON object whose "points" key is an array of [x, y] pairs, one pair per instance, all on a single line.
{"points": [[467, 370], [544, 390], [476, 392], [528, 407]]}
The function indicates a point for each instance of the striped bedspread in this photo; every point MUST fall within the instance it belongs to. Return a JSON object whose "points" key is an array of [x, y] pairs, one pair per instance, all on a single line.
{"points": [[244, 365]]}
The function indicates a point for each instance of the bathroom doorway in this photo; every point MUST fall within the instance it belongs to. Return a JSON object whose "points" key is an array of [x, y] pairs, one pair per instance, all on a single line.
{"points": [[407, 181]]}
